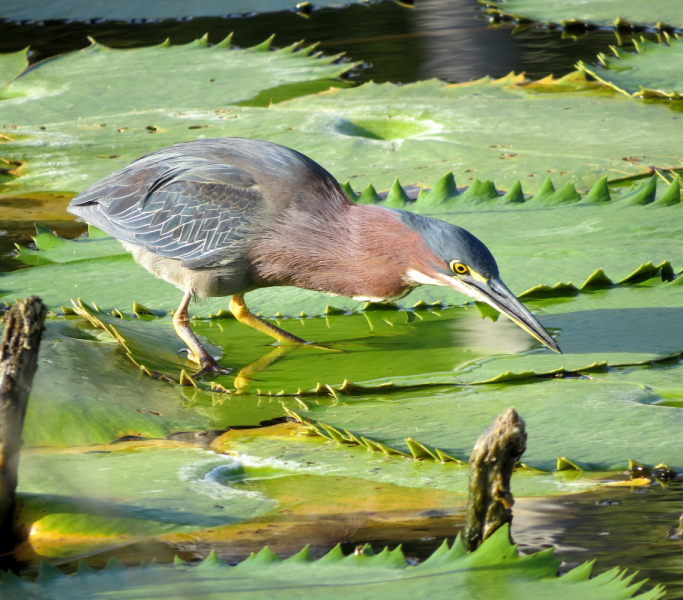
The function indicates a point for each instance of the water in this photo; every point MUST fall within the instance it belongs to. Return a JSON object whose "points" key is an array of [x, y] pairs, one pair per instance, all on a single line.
{"points": [[447, 39], [634, 528], [631, 528]]}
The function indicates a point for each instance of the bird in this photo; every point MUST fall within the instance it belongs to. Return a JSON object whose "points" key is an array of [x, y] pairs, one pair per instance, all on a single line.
{"points": [[226, 216]]}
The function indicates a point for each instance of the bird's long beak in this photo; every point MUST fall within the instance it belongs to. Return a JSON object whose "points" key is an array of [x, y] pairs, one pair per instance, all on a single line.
{"points": [[495, 293]]}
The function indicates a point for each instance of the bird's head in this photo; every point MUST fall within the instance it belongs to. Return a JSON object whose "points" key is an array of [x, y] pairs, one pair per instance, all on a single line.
{"points": [[457, 259]]}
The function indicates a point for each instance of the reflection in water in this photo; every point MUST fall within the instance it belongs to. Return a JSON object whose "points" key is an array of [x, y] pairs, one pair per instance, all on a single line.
{"points": [[634, 528], [644, 331], [505, 335], [245, 377], [461, 46]]}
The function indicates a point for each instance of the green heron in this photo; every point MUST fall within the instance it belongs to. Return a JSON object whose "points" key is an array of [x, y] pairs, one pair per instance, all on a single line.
{"points": [[225, 216]]}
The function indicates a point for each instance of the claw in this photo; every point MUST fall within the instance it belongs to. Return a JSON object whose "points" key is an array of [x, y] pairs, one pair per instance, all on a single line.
{"points": [[209, 365], [191, 356], [212, 367]]}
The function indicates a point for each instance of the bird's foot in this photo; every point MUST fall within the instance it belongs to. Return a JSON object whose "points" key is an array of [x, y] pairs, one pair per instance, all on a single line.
{"points": [[212, 367], [208, 365]]}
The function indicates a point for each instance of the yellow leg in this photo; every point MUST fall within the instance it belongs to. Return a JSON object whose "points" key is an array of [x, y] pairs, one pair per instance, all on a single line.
{"points": [[197, 354], [239, 309]]}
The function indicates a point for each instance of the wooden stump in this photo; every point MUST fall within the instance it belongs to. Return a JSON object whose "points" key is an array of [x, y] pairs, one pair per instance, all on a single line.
{"points": [[493, 459], [18, 364]]}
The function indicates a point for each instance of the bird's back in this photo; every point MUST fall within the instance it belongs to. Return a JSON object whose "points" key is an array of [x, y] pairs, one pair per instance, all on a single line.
{"points": [[203, 202]]}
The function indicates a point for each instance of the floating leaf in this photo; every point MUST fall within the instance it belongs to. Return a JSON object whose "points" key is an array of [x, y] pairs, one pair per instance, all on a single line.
{"points": [[652, 72], [500, 130], [646, 13], [81, 500], [284, 502], [665, 381], [374, 344], [306, 451], [493, 570], [630, 422], [619, 326], [616, 326], [316, 508], [46, 105], [11, 65], [50, 248], [472, 129], [87, 392]]}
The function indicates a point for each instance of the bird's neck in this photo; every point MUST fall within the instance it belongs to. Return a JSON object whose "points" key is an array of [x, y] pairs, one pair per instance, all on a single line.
{"points": [[363, 252]]}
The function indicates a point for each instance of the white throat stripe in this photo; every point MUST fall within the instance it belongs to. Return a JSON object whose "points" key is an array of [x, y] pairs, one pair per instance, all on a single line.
{"points": [[421, 279]]}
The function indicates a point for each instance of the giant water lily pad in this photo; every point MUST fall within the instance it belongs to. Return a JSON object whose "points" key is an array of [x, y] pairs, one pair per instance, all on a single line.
{"points": [[652, 72], [639, 408], [370, 133], [501, 130], [597, 12], [70, 111], [11, 65], [372, 345], [665, 380], [603, 423], [493, 570], [87, 392], [211, 76], [105, 496], [50, 248], [312, 449], [621, 326], [287, 506], [317, 509]]}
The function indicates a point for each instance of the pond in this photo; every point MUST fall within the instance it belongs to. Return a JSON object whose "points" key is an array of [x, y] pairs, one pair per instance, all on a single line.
{"points": [[364, 437]]}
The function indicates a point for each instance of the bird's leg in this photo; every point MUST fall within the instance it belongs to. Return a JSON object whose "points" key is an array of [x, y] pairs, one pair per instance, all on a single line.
{"points": [[239, 309], [197, 354]]}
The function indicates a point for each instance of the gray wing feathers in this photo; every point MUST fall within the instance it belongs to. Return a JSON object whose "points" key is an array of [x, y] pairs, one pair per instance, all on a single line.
{"points": [[185, 208]]}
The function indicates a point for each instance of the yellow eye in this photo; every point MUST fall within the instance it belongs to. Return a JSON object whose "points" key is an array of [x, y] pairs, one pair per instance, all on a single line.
{"points": [[458, 268]]}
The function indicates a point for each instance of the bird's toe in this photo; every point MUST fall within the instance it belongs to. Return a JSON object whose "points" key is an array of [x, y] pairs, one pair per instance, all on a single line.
{"points": [[212, 367]]}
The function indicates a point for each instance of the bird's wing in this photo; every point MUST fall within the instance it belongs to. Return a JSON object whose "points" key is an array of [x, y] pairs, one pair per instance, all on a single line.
{"points": [[187, 208]]}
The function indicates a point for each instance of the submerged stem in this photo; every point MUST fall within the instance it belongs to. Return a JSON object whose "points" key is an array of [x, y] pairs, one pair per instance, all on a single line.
{"points": [[493, 459]]}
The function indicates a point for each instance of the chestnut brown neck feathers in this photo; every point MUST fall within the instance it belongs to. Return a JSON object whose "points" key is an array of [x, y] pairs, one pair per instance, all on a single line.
{"points": [[344, 249]]}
